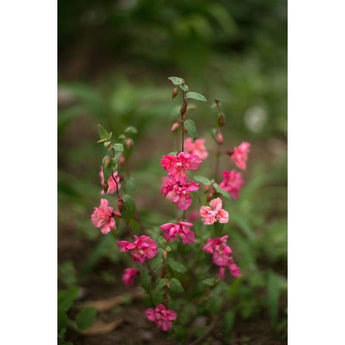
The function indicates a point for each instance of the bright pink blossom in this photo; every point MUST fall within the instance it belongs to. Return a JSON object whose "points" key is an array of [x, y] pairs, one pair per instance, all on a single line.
{"points": [[196, 147], [219, 249], [210, 216], [240, 155], [232, 182], [179, 164], [141, 249], [161, 316], [182, 229], [128, 275], [221, 256], [111, 183], [103, 217], [178, 191]]}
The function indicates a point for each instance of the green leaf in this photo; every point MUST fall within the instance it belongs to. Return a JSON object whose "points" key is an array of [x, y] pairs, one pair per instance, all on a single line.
{"points": [[221, 191], [145, 280], [107, 143], [118, 147], [67, 297], [157, 262], [191, 128], [184, 87], [273, 293], [130, 130], [175, 285], [208, 281], [85, 318], [195, 95], [202, 179], [162, 282], [103, 134], [128, 209], [176, 266], [177, 81], [62, 319]]}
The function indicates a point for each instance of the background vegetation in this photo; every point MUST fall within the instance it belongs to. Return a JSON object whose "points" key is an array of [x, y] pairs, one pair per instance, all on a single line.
{"points": [[114, 60]]}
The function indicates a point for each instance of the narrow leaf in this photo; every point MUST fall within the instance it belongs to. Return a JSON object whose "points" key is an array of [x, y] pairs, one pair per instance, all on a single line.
{"points": [[202, 179], [177, 81], [195, 95]]}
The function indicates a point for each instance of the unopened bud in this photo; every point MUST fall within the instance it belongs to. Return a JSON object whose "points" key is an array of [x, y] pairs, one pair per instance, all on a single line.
{"points": [[175, 126], [219, 137], [174, 92], [121, 160], [107, 161], [183, 108], [221, 120], [165, 254], [129, 143], [229, 152], [120, 204], [105, 187]]}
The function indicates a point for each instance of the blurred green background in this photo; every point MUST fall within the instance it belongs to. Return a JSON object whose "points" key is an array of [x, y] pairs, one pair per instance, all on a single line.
{"points": [[114, 60]]}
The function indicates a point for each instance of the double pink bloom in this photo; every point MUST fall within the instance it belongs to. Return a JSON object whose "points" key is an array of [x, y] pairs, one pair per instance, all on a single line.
{"points": [[161, 316], [128, 275], [232, 182], [179, 164], [240, 155], [210, 216], [221, 255], [196, 147], [103, 217], [111, 183], [182, 229], [141, 249]]}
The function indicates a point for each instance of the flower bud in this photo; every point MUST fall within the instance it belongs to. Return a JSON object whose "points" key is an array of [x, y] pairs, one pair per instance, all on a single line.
{"points": [[219, 137], [183, 108], [221, 120], [120, 204], [107, 161], [174, 92], [175, 126], [129, 143], [165, 254], [122, 159]]}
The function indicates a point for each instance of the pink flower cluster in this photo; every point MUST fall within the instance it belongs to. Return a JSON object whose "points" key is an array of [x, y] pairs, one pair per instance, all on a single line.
{"points": [[175, 186], [221, 255], [182, 229], [161, 316], [232, 182], [210, 216], [103, 217], [240, 155], [141, 249], [196, 147], [128, 275], [111, 183]]}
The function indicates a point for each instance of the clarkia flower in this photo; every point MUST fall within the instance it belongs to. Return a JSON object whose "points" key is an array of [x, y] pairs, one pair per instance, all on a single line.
{"points": [[110, 183], [178, 191], [221, 256], [141, 249], [103, 217], [161, 316], [232, 182], [210, 216], [179, 164], [240, 155], [128, 275], [182, 229], [196, 147]]}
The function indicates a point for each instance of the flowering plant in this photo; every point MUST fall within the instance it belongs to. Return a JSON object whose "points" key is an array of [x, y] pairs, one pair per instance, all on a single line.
{"points": [[172, 259]]}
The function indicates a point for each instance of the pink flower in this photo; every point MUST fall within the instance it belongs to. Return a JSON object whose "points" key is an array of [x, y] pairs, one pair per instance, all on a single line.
{"points": [[141, 249], [196, 147], [240, 155], [219, 249], [234, 269], [111, 183], [182, 229], [210, 216], [179, 164], [232, 182], [178, 191], [103, 217], [128, 275], [161, 316]]}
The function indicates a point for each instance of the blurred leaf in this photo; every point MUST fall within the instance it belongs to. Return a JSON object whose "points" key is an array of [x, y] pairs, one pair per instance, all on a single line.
{"points": [[202, 179], [177, 81], [175, 285], [162, 282], [62, 319], [67, 297], [85, 318], [145, 280], [130, 130], [103, 134], [273, 293], [221, 191], [118, 147], [128, 208], [176, 266], [195, 95], [191, 128]]}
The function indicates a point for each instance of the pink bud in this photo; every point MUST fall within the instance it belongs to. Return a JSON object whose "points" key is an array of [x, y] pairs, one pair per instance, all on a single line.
{"points": [[175, 126], [128, 143], [219, 137]]}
